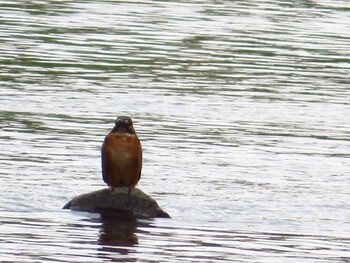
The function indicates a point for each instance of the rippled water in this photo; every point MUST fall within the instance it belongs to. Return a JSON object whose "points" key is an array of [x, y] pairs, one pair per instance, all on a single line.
{"points": [[242, 108]]}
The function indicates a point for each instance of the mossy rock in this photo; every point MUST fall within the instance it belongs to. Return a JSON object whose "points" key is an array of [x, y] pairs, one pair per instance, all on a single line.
{"points": [[119, 204]]}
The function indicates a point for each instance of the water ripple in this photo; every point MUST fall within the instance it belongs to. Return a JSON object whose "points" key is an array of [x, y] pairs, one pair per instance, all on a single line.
{"points": [[241, 107]]}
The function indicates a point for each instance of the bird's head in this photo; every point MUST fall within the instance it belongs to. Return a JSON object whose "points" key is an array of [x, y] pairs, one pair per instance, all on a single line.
{"points": [[123, 125]]}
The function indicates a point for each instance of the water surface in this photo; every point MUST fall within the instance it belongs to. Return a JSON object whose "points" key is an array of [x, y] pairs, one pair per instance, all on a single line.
{"points": [[243, 113]]}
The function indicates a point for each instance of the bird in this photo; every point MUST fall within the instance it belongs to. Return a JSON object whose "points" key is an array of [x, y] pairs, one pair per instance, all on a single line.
{"points": [[121, 155]]}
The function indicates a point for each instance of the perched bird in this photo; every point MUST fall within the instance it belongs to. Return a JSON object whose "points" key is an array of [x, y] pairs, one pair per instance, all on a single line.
{"points": [[121, 155]]}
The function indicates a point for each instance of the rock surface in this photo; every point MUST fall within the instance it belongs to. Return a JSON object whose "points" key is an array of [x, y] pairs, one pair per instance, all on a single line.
{"points": [[118, 204]]}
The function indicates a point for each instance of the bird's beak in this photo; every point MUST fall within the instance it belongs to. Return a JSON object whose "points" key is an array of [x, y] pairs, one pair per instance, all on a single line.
{"points": [[123, 128], [117, 126]]}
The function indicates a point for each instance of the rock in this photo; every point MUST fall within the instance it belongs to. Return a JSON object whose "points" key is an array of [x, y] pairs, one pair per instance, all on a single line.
{"points": [[118, 204]]}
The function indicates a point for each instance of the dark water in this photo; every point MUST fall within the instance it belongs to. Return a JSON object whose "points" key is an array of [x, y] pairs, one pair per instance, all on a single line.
{"points": [[242, 108]]}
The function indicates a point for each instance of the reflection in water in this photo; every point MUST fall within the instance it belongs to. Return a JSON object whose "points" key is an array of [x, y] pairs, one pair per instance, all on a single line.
{"points": [[117, 236], [117, 232]]}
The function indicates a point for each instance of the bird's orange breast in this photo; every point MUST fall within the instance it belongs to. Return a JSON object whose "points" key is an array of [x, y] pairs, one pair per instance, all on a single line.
{"points": [[121, 160]]}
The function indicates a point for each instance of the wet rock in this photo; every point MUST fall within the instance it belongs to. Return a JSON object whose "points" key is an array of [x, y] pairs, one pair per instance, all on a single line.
{"points": [[118, 204]]}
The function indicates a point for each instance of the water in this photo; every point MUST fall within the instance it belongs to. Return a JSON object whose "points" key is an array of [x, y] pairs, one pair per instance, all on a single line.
{"points": [[242, 108]]}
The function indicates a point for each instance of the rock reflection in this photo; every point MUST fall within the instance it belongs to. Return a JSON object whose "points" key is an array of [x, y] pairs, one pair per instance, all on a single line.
{"points": [[116, 238], [117, 232]]}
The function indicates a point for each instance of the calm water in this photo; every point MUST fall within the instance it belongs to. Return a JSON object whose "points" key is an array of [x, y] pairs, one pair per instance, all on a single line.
{"points": [[242, 108]]}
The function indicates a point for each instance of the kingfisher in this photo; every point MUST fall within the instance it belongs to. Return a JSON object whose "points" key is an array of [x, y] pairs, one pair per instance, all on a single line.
{"points": [[121, 154]]}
